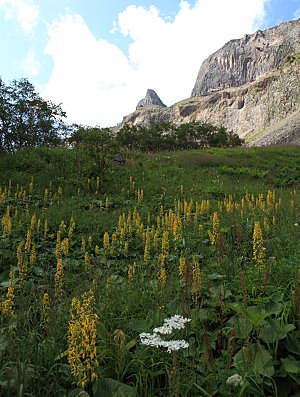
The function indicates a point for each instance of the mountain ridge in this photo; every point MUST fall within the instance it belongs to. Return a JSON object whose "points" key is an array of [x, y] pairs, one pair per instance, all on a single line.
{"points": [[260, 92]]}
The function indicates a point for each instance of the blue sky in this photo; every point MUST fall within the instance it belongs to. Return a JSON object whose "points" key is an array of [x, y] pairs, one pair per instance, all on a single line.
{"points": [[98, 57]]}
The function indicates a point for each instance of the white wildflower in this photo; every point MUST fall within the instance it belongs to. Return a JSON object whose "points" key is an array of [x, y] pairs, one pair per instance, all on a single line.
{"points": [[175, 345], [164, 330], [176, 322], [150, 340], [155, 339], [235, 380]]}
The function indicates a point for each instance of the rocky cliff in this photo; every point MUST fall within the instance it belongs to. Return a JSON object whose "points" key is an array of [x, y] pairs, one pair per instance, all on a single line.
{"points": [[244, 60], [250, 86], [151, 99]]}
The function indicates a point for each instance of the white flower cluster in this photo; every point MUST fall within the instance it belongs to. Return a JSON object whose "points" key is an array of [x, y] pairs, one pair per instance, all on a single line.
{"points": [[155, 339], [235, 380]]}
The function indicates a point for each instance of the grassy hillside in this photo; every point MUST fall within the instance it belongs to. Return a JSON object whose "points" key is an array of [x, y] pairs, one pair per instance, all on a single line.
{"points": [[92, 259]]}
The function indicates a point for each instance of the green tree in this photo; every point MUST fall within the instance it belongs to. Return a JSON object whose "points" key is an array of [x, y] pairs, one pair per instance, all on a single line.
{"points": [[26, 120], [96, 143]]}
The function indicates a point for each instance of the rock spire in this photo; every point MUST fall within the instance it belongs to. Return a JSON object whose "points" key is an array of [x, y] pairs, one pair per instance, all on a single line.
{"points": [[151, 99]]}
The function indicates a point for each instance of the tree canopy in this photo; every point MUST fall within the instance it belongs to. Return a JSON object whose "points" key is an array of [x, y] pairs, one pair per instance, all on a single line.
{"points": [[26, 119], [160, 136]]}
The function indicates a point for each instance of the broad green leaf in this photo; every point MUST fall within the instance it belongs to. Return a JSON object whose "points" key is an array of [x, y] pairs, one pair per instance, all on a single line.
{"points": [[237, 307], [219, 290], [109, 387], [273, 331], [139, 325], [263, 362], [291, 365], [256, 358], [286, 329], [268, 334], [273, 307], [216, 276], [292, 343], [227, 293], [242, 327], [255, 314]]}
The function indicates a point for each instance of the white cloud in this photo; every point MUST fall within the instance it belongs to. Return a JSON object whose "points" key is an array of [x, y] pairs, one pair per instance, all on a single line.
{"points": [[297, 14], [23, 11], [92, 78], [30, 65], [98, 84]]}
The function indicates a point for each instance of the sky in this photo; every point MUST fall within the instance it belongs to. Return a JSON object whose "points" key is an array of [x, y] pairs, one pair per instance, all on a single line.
{"points": [[97, 58]]}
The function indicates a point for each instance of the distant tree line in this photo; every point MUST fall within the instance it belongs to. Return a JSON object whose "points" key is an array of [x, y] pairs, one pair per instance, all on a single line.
{"points": [[165, 136], [27, 120]]}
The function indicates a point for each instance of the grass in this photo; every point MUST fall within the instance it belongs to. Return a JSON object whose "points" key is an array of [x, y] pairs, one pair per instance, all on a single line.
{"points": [[181, 241]]}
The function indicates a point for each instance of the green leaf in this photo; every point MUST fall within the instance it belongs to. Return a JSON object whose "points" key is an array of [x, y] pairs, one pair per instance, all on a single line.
{"points": [[109, 387], [268, 334], [237, 307], [291, 365], [78, 393], [216, 276], [273, 307], [263, 362], [242, 327], [286, 329], [219, 290], [61, 355], [3, 343], [139, 325], [102, 332], [273, 331], [292, 343], [256, 358], [130, 344], [255, 314]]}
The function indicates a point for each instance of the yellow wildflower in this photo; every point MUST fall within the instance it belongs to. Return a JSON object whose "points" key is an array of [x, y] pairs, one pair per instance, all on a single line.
{"points": [[7, 306], [58, 279], [258, 245], [82, 333]]}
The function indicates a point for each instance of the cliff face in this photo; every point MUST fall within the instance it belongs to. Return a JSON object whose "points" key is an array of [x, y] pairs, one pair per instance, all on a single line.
{"points": [[241, 61], [249, 86], [151, 99]]}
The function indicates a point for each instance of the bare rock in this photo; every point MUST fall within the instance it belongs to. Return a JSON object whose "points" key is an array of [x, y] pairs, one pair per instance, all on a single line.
{"points": [[243, 60], [151, 99]]}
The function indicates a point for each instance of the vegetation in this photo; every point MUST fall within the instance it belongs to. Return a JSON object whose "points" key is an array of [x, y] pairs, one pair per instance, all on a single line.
{"points": [[194, 252], [26, 120], [163, 136], [293, 57]]}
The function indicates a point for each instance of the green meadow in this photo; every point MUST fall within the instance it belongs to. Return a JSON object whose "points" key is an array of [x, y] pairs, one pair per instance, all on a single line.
{"points": [[169, 274]]}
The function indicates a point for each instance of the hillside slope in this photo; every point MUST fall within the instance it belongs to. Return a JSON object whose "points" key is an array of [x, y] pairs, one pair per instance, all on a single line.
{"points": [[286, 131]]}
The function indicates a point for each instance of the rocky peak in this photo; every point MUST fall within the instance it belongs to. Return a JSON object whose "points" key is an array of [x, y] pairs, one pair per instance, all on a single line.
{"points": [[243, 60], [250, 86], [151, 99]]}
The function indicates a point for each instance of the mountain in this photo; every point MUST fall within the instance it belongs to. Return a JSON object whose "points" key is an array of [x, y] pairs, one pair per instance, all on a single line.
{"points": [[250, 86], [151, 99], [244, 60]]}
